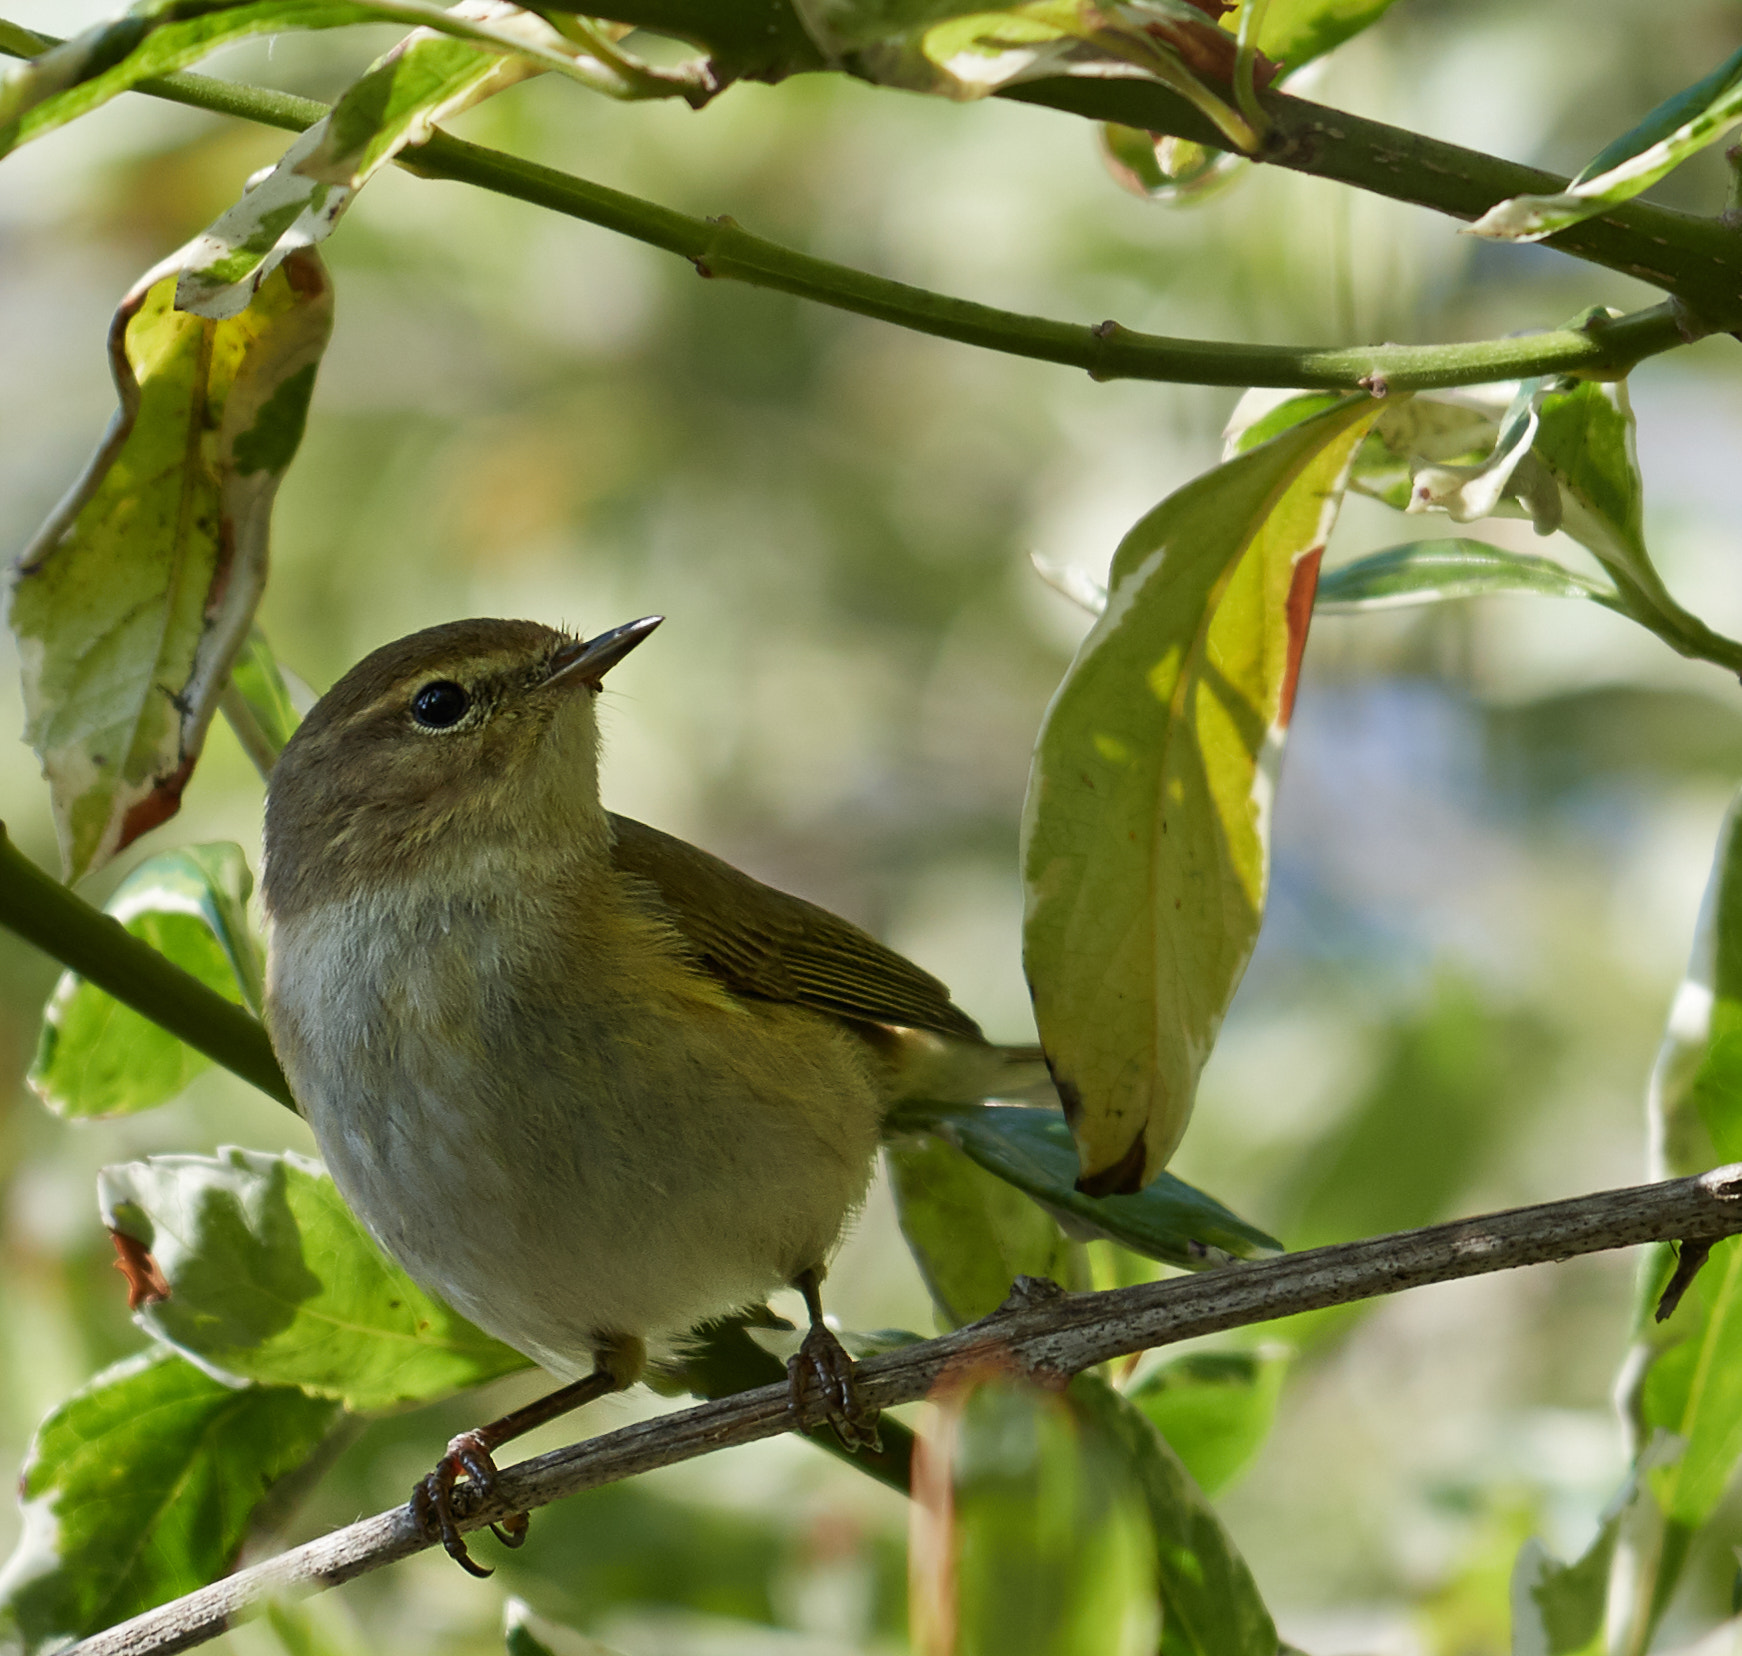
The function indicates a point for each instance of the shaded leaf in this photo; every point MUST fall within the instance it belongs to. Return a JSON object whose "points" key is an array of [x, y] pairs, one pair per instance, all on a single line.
{"points": [[141, 1487], [971, 1234], [97, 1057], [1146, 828], [1211, 1603], [1169, 1220], [273, 1279], [132, 602], [1675, 130], [1429, 572], [1030, 1536], [1214, 1408], [258, 703]]}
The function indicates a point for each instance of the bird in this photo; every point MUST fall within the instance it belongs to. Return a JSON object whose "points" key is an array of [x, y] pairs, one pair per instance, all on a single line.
{"points": [[586, 1082]]}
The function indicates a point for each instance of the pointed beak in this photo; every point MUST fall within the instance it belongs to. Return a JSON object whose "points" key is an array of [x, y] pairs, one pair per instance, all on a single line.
{"points": [[588, 661]]}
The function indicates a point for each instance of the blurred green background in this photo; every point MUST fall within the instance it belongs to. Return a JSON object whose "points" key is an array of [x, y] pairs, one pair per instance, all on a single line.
{"points": [[1490, 845]]}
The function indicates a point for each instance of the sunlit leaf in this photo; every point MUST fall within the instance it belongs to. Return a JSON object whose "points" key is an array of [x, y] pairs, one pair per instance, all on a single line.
{"points": [[1675, 130], [1429, 572], [1030, 1535], [133, 601], [1297, 31], [141, 1487], [1146, 829], [1168, 1220], [272, 1279], [971, 1234], [1214, 1408], [1210, 1601], [97, 1057]]}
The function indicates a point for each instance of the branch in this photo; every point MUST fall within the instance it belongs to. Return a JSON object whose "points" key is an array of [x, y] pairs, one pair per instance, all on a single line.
{"points": [[719, 248], [97, 946], [1040, 1331]]}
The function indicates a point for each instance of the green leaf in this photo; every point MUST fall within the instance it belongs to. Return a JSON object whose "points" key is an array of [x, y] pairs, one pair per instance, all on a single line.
{"points": [[526, 1633], [1429, 572], [1210, 1601], [1447, 427], [1557, 1609], [1031, 1536], [971, 1234], [134, 599], [1169, 1220], [97, 1057], [141, 1487], [1214, 1408], [1675, 130], [1146, 828], [1297, 31], [258, 704], [273, 1279]]}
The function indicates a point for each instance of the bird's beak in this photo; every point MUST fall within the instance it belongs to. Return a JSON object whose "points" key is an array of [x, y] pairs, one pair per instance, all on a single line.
{"points": [[588, 660]]}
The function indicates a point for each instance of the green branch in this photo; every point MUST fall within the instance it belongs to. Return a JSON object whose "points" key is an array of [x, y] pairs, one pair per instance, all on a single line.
{"points": [[85, 940], [721, 249]]}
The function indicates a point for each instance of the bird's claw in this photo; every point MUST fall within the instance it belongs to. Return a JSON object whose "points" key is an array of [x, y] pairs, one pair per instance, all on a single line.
{"points": [[823, 1368], [432, 1501]]}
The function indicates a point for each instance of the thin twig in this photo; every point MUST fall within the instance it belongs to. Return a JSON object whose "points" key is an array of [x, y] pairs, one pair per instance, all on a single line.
{"points": [[1041, 1331]]}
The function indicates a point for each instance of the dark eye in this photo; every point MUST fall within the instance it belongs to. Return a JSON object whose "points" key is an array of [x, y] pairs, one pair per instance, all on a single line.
{"points": [[441, 705]]}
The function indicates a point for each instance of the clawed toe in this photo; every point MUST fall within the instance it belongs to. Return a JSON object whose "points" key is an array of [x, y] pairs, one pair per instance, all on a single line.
{"points": [[823, 1370], [432, 1501]]}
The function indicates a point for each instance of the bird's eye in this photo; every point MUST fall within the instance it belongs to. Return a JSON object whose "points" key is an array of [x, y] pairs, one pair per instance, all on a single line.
{"points": [[441, 705]]}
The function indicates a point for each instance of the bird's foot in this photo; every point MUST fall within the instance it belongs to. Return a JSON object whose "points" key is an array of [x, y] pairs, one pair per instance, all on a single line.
{"points": [[822, 1373], [432, 1501]]}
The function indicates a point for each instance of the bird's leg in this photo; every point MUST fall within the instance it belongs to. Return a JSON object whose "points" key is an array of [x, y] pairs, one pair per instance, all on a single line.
{"points": [[617, 1364], [822, 1363]]}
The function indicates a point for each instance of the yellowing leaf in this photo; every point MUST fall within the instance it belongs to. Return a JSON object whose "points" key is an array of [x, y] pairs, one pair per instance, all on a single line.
{"points": [[133, 601], [1146, 829]]}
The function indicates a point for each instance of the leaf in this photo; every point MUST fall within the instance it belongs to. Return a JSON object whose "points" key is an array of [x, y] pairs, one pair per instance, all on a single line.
{"points": [[134, 599], [526, 1633], [971, 1234], [1169, 1220], [1430, 572], [1468, 492], [1297, 31], [272, 1279], [1557, 1609], [1214, 1409], [1211, 1603], [97, 1057], [258, 704], [1675, 130], [141, 1487], [1146, 829], [1029, 1533]]}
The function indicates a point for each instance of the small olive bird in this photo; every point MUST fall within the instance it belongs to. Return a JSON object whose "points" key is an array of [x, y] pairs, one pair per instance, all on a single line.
{"points": [[584, 1081]]}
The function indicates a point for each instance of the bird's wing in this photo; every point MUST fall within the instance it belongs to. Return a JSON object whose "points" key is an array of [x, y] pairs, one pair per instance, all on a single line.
{"points": [[769, 944]]}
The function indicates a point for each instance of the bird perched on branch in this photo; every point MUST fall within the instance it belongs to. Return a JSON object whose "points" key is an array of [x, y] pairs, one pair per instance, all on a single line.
{"points": [[586, 1082]]}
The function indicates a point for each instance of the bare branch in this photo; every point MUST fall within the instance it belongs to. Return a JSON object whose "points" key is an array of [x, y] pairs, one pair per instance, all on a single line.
{"points": [[1041, 1331]]}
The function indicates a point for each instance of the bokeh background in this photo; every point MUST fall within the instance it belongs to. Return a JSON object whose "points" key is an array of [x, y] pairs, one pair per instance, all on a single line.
{"points": [[1494, 828]]}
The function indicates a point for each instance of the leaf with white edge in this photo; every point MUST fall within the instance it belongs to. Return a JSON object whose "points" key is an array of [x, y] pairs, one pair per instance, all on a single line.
{"points": [[428, 77], [141, 1487], [273, 1279], [259, 704], [1210, 1602], [1443, 427], [1465, 493], [1214, 1408], [1676, 129], [97, 1057], [1146, 828], [1168, 1220], [1430, 572], [1030, 1535], [131, 604], [1557, 1609], [971, 1234]]}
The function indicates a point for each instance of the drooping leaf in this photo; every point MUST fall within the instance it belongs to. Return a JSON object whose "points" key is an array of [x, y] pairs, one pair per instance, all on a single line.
{"points": [[1145, 833], [272, 1279], [1430, 572], [1030, 1536], [1675, 130], [971, 1234], [1214, 1408], [141, 1487], [97, 1057], [1210, 1602], [1168, 1220], [133, 601]]}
